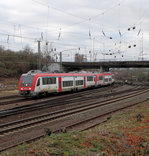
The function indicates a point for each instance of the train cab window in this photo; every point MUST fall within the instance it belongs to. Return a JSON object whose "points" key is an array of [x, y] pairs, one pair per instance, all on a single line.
{"points": [[27, 80], [38, 82], [109, 79], [100, 78], [90, 78], [67, 83]]}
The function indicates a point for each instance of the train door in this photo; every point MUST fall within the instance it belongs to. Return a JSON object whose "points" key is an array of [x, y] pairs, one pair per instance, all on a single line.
{"points": [[95, 80], [104, 80], [74, 82], [84, 82], [38, 85], [60, 84]]}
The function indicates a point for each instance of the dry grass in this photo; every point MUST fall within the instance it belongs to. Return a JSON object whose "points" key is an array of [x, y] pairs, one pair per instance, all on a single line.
{"points": [[9, 92], [8, 81], [8, 86]]}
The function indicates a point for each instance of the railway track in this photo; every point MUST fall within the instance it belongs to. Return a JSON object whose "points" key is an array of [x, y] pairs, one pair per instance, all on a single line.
{"points": [[63, 113], [17, 99], [111, 104], [8, 97], [64, 100], [12, 100]]}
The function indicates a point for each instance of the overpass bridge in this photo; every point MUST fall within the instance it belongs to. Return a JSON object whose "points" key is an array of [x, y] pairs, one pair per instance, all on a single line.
{"points": [[103, 66]]}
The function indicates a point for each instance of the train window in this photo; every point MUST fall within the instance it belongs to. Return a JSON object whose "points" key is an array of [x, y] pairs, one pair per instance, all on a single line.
{"points": [[38, 82], [89, 78], [79, 82], [100, 78], [67, 83], [109, 79], [44, 81], [51, 80], [106, 79]]}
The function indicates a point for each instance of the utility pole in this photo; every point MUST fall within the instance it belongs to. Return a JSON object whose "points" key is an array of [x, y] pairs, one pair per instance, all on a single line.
{"points": [[93, 48], [60, 61], [142, 48], [39, 56]]}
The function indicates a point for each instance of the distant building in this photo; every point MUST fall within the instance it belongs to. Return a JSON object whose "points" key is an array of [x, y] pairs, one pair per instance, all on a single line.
{"points": [[54, 67], [80, 58]]}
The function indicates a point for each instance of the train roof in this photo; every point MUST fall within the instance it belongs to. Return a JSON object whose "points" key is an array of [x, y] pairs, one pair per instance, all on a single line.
{"points": [[105, 74], [61, 74], [65, 74]]}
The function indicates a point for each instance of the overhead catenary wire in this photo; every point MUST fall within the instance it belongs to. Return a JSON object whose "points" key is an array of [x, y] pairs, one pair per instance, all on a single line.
{"points": [[42, 35], [35, 39], [83, 19], [110, 8], [50, 6], [72, 15], [19, 36]]}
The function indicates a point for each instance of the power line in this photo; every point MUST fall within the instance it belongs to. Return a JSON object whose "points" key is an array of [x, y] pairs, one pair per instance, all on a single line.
{"points": [[112, 7], [34, 39], [43, 4], [84, 19], [17, 24], [19, 36], [146, 12]]}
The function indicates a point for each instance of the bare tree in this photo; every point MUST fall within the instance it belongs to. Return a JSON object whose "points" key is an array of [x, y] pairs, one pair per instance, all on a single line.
{"points": [[47, 54]]}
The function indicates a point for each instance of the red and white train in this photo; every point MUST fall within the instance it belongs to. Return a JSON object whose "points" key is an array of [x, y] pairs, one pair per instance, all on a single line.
{"points": [[36, 83]]}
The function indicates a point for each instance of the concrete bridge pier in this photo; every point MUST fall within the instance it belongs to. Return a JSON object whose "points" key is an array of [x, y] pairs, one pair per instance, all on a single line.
{"points": [[104, 69]]}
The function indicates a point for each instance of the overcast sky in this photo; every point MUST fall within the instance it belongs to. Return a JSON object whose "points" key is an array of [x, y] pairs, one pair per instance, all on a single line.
{"points": [[100, 29]]}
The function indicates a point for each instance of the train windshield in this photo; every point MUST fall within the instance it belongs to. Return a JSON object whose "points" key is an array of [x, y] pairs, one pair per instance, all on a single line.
{"points": [[26, 81]]}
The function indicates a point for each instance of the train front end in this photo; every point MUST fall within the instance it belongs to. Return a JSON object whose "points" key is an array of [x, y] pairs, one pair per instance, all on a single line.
{"points": [[26, 85]]}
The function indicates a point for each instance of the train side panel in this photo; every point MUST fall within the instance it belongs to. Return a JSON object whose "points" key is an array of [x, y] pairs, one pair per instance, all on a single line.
{"points": [[59, 84], [100, 79], [107, 79], [90, 81], [113, 78], [47, 85], [79, 82], [68, 83]]}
